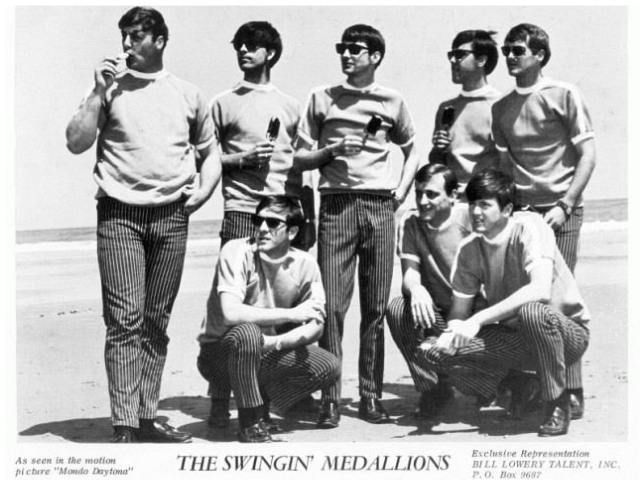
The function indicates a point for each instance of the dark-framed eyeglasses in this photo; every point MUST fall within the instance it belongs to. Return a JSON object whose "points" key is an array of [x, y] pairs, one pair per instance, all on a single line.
{"points": [[352, 48], [516, 50], [458, 54], [272, 223], [250, 45]]}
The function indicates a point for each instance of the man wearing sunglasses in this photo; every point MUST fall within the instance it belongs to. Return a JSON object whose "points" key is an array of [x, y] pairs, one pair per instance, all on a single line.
{"points": [[544, 134], [462, 136], [346, 132], [261, 283], [255, 166]]}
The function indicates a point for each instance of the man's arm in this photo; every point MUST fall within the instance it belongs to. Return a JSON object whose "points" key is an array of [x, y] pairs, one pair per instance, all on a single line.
{"points": [[236, 312], [210, 171], [408, 170], [586, 163], [257, 156], [299, 336], [422, 309], [309, 159]]}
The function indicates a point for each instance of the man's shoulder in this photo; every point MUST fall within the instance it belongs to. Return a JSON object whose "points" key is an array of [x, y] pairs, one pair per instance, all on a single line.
{"points": [[238, 247]]}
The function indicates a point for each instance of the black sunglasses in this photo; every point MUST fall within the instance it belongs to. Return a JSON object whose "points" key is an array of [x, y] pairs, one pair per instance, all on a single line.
{"points": [[517, 50], [458, 54], [353, 48], [272, 223], [249, 45]]}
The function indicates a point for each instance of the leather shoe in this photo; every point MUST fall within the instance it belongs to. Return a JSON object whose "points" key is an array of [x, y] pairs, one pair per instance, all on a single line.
{"points": [[219, 414], [123, 435], [371, 410], [154, 432], [432, 402], [329, 415], [576, 401], [557, 420], [256, 433]]}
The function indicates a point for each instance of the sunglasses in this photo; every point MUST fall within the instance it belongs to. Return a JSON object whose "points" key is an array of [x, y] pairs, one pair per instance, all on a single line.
{"points": [[250, 45], [458, 55], [272, 223], [518, 51], [353, 48]]}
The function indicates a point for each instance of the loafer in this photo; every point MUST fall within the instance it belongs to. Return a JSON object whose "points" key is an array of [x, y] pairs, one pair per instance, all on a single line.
{"points": [[576, 401], [123, 435], [270, 425], [433, 402], [329, 415], [256, 433], [156, 432], [557, 421], [370, 410], [219, 414]]}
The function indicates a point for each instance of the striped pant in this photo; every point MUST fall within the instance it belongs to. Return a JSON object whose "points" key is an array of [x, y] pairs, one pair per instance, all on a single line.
{"points": [[544, 338], [408, 338], [352, 227], [237, 363], [141, 254]]}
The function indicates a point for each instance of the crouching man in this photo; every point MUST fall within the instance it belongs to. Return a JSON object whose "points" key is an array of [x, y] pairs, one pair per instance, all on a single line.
{"points": [[535, 310], [260, 284]]}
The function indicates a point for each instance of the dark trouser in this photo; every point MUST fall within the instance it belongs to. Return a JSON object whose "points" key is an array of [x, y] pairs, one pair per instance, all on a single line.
{"points": [[359, 227], [408, 339], [286, 376], [544, 338], [141, 254]]}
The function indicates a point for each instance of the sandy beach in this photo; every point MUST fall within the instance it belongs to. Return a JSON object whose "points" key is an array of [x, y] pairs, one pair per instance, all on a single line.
{"points": [[61, 382]]}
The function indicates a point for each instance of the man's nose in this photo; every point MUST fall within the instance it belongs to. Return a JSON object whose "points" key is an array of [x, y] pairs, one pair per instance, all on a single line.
{"points": [[126, 42]]}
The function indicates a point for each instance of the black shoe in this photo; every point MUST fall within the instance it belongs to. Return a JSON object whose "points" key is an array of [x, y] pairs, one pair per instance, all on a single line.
{"points": [[558, 417], [123, 435], [371, 410], [154, 432], [576, 401], [432, 402], [219, 414], [256, 433], [329, 415]]}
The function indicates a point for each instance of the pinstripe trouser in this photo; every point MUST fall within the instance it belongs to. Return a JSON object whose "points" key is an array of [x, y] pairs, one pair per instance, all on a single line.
{"points": [[141, 254], [544, 336], [357, 226], [286, 376], [408, 338]]}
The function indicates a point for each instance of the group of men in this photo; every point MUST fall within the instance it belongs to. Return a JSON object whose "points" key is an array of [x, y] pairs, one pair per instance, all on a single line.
{"points": [[487, 296]]}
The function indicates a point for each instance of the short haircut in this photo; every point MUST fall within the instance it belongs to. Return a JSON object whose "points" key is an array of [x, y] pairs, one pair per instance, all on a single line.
{"points": [[482, 44], [367, 34], [262, 34], [287, 205], [491, 183], [427, 172], [534, 37], [149, 19]]}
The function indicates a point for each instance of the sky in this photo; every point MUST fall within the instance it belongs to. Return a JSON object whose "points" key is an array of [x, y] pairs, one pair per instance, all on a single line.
{"points": [[57, 48]]}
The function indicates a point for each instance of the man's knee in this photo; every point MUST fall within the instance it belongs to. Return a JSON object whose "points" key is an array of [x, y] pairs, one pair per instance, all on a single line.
{"points": [[396, 313], [532, 313], [247, 336]]}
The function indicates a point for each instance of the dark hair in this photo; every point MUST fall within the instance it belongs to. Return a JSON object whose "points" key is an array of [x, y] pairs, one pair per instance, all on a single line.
{"points": [[535, 38], [491, 183], [430, 170], [284, 204], [149, 19], [367, 34], [262, 34], [482, 44]]}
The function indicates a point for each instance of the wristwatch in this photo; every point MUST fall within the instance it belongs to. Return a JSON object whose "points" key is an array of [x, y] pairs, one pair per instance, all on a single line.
{"points": [[279, 344], [565, 208]]}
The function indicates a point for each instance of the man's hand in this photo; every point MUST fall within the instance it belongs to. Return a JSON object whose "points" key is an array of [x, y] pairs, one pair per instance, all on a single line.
{"points": [[422, 309], [463, 331], [441, 140], [258, 156], [105, 73], [309, 310], [195, 198], [348, 146], [555, 217], [269, 343]]}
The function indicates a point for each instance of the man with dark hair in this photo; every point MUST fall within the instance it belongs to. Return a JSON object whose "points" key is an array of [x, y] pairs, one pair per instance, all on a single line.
{"points": [[535, 311], [346, 132], [544, 134], [462, 136], [149, 126], [428, 239], [262, 283]]}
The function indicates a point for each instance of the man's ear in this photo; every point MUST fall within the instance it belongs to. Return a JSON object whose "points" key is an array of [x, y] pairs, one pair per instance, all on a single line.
{"points": [[376, 57], [270, 55], [292, 232], [159, 42], [481, 60], [453, 195], [541, 54], [508, 209]]}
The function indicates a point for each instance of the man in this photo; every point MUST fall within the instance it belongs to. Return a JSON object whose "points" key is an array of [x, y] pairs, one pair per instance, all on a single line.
{"points": [[352, 126], [463, 141], [534, 307], [255, 166], [544, 134], [148, 124], [262, 283], [427, 243]]}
